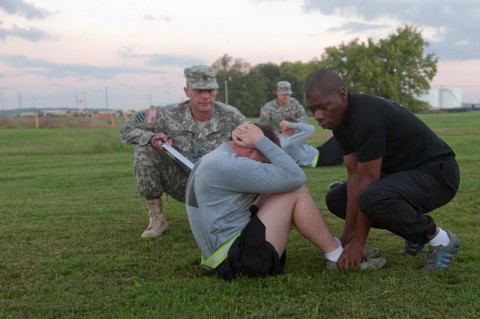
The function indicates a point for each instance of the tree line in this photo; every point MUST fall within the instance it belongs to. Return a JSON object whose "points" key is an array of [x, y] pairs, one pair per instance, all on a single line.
{"points": [[397, 68]]}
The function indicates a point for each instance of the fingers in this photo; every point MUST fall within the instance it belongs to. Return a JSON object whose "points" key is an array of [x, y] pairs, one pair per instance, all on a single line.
{"points": [[247, 135], [240, 131], [239, 134], [159, 139], [236, 137], [157, 144], [243, 127], [347, 263]]}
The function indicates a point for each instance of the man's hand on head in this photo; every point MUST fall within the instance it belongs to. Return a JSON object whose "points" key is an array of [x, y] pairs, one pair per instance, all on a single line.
{"points": [[284, 125], [247, 135]]}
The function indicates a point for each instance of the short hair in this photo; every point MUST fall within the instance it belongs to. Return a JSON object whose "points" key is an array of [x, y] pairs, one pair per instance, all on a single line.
{"points": [[269, 132], [322, 82]]}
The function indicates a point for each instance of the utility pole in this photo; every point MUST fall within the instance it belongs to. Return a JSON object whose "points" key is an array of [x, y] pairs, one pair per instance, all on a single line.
{"points": [[441, 97], [19, 100], [106, 97], [84, 99]]}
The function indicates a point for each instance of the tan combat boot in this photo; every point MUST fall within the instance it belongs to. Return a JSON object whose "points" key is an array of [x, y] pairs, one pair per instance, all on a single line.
{"points": [[158, 222]]}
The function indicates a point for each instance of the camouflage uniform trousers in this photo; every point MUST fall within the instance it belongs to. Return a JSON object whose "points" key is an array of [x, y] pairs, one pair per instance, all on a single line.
{"points": [[156, 172]]}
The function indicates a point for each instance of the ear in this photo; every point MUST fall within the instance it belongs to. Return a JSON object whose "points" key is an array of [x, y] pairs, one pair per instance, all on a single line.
{"points": [[185, 89], [247, 152], [343, 94]]}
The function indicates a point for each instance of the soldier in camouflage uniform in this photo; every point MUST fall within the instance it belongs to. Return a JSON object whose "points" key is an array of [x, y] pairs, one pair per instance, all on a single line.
{"points": [[282, 107], [194, 128]]}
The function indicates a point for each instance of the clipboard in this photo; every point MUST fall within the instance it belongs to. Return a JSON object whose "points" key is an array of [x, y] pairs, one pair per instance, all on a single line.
{"points": [[177, 155]]}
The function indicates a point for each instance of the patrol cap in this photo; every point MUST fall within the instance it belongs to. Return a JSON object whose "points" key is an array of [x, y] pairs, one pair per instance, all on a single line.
{"points": [[201, 77], [284, 87]]}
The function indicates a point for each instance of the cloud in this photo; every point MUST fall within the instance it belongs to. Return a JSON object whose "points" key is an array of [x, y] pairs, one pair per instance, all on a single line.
{"points": [[354, 27], [21, 8], [32, 34], [127, 53], [455, 23], [158, 59], [62, 70], [150, 17], [172, 60]]}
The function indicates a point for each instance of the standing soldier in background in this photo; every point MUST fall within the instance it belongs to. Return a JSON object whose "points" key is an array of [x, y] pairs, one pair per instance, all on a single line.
{"points": [[283, 106], [194, 128]]}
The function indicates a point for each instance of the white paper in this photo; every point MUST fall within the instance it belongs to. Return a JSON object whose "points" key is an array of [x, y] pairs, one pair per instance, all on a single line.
{"points": [[177, 155]]}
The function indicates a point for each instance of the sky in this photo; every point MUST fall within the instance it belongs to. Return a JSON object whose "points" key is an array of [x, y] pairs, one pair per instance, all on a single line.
{"points": [[125, 54]]}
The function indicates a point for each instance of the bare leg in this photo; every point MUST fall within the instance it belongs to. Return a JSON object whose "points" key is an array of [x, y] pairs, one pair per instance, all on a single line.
{"points": [[278, 211]]}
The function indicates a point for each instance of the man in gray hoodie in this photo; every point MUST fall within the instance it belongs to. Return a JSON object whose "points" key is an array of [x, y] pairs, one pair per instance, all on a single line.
{"points": [[242, 199]]}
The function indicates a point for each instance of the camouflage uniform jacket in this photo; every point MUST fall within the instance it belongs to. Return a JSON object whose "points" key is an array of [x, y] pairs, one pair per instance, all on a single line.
{"points": [[272, 113], [176, 121]]}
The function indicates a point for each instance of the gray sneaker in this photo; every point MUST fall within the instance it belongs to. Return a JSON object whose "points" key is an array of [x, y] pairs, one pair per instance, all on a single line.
{"points": [[412, 248], [371, 253], [371, 264], [440, 257]]}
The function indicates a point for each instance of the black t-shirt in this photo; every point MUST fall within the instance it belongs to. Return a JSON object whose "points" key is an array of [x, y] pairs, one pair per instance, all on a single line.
{"points": [[376, 127]]}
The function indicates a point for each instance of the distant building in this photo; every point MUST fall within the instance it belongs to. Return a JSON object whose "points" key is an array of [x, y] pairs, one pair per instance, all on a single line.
{"points": [[28, 114], [443, 98], [56, 113]]}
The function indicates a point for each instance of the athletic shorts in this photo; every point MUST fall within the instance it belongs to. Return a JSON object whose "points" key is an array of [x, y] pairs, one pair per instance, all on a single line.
{"points": [[250, 254]]}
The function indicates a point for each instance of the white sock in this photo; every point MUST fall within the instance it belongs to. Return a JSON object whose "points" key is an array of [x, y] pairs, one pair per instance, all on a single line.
{"points": [[441, 239], [334, 254], [338, 241]]}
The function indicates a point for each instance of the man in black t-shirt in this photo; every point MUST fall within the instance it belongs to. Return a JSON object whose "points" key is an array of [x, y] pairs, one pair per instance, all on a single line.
{"points": [[398, 171]]}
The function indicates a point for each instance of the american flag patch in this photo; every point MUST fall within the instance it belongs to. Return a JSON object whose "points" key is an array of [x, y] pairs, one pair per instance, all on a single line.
{"points": [[151, 116]]}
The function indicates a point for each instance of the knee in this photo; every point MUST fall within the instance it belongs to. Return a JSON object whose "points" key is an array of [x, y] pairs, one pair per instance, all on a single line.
{"points": [[302, 192], [330, 200], [149, 190], [148, 182], [336, 201], [145, 155], [368, 202]]}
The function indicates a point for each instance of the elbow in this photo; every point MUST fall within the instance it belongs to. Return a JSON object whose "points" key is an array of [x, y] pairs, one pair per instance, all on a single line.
{"points": [[291, 183], [123, 138], [301, 179], [304, 179]]}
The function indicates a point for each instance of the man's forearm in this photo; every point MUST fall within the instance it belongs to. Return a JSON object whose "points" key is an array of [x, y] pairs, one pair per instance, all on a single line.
{"points": [[132, 135], [362, 228]]}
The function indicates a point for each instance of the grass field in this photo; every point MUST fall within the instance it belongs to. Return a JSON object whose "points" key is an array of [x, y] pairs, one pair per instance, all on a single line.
{"points": [[70, 243]]}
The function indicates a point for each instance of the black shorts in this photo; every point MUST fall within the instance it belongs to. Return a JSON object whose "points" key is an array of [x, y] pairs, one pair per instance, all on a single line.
{"points": [[250, 254]]}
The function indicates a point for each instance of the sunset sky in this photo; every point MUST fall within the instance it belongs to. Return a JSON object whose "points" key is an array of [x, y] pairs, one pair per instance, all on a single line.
{"points": [[56, 52]]}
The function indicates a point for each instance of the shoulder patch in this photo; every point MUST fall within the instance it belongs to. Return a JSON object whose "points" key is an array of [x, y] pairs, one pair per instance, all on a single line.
{"points": [[151, 116], [139, 117]]}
